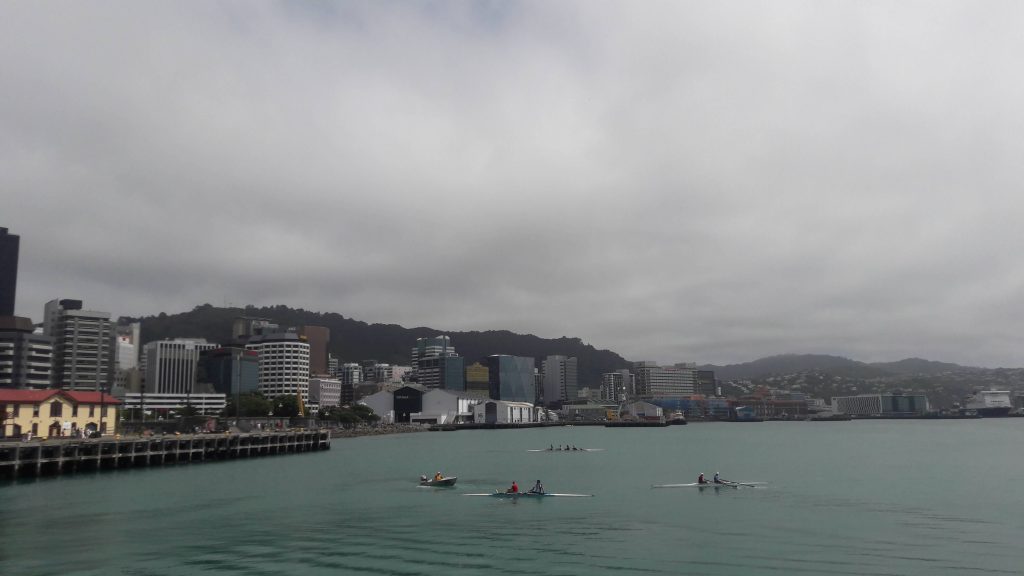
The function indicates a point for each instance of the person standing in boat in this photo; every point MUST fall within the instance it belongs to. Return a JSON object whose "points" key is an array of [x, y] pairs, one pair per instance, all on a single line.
{"points": [[538, 488], [514, 489], [701, 479]]}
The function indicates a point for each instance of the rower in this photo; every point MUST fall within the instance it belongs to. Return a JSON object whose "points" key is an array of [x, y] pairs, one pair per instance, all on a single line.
{"points": [[718, 479], [701, 480], [514, 489], [538, 488], [551, 447]]}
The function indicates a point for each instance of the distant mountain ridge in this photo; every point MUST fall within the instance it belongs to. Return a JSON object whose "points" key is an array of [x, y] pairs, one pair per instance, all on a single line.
{"points": [[836, 365], [354, 340]]}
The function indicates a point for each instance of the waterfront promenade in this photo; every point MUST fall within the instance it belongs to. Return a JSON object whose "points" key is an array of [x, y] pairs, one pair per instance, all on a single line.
{"points": [[67, 456]]}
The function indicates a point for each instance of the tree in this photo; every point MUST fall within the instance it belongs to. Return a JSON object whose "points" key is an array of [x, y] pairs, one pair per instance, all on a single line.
{"points": [[286, 406], [252, 404], [365, 413]]}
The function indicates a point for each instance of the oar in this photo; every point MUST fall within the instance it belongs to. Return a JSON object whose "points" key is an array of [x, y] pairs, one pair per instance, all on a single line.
{"points": [[738, 483]]}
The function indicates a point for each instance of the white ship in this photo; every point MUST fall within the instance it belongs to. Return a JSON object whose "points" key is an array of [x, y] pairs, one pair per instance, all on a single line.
{"points": [[989, 403]]}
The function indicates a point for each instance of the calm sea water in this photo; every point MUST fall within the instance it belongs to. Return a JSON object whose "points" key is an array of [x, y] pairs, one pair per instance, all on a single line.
{"points": [[897, 497]]}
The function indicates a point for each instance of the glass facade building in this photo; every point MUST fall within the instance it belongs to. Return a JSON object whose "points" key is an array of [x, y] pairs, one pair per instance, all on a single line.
{"points": [[511, 378]]}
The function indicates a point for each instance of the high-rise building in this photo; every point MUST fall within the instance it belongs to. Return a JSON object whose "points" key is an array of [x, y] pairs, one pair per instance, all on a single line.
{"points": [[446, 372], [706, 383], [127, 347], [333, 365], [560, 379], [284, 363], [324, 393], [510, 378], [653, 381], [25, 357], [172, 366], [436, 346], [617, 386], [318, 337], [229, 370], [9, 244], [83, 341]]}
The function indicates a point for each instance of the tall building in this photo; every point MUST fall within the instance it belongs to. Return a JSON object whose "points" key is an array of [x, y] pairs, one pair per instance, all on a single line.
{"points": [[333, 365], [284, 363], [617, 386], [446, 372], [510, 378], [653, 381], [350, 373], [437, 346], [229, 370], [172, 366], [25, 357], [318, 337], [706, 383], [127, 347], [9, 244], [83, 340], [324, 393], [560, 379]]}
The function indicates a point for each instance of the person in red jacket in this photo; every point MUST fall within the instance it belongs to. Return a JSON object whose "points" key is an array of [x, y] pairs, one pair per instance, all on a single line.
{"points": [[514, 489]]}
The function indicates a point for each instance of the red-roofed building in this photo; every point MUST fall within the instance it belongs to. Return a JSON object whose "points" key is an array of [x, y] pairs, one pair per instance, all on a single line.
{"points": [[56, 413]]}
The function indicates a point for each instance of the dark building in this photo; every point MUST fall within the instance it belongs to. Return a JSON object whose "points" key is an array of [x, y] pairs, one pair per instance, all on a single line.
{"points": [[445, 372], [8, 271], [229, 370], [25, 357], [408, 400], [706, 383], [317, 337], [510, 378]]}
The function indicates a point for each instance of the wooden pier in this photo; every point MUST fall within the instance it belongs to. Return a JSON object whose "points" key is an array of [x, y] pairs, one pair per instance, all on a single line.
{"points": [[67, 456]]}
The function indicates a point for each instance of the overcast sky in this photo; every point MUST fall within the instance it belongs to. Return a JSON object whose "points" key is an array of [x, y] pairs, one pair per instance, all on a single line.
{"points": [[679, 181]]}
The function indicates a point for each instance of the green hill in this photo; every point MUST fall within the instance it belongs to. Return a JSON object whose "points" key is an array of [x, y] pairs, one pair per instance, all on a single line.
{"points": [[353, 340]]}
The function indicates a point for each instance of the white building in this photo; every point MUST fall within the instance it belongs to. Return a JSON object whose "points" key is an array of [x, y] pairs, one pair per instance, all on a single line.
{"points": [[617, 386], [503, 412], [171, 365], [284, 364], [324, 392], [642, 411], [204, 403], [83, 355], [443, 407], [383, 405], [561, 380], [653, 381]]}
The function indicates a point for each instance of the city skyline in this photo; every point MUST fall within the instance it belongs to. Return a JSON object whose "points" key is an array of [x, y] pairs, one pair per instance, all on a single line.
{"points": [[674, 182]]}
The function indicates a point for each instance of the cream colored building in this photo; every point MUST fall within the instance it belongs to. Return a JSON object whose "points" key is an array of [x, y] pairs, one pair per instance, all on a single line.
{"points": [[56, 413]]}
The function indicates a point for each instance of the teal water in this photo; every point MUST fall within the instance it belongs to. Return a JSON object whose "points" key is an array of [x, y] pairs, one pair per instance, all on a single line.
{"points": [[872, 497]]}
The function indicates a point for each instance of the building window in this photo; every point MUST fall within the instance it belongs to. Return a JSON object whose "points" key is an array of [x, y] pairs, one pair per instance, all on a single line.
{"points": [[56, 409], [74, 411], [35, 414], [92, 410], [35, 428]]}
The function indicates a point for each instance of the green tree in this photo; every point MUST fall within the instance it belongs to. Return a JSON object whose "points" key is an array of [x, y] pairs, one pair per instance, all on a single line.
{"points": [[252, 404], [365, 413], [286, 406]]}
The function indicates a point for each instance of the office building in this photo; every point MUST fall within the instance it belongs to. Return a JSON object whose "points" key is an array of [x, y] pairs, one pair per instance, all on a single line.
{"points": [[318, 338], [560, 380], [230, 370], [478, 381], [444, 372], [653, 381], [617, 386], [324, 393], [706, 384], [25, 357], [83, 341], [437, 346], [9, 246], [284, 363], [510, 378], [172, 365]]}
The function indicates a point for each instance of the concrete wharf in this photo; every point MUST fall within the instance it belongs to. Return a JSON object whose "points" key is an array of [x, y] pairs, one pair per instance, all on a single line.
{"points": [[67, 456]]}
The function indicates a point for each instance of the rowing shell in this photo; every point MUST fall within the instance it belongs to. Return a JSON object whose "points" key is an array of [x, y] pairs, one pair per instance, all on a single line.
{"points": [[709, 485], [530, 495], [570, 450]]}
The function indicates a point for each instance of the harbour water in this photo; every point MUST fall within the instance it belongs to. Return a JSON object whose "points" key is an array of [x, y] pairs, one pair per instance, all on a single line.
{"points": [[861, 497]]}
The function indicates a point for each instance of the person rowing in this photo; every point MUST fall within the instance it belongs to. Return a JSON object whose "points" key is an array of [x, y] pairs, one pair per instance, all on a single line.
{"points": [[701, 479], [538, 488], [551, 447], [718, 479], [514, 489]]}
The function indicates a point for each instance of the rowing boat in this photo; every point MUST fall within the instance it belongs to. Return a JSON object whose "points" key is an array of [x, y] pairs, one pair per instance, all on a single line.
{"points": [[565, 450], [443, 482], [497, 494], [709, 485]]}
